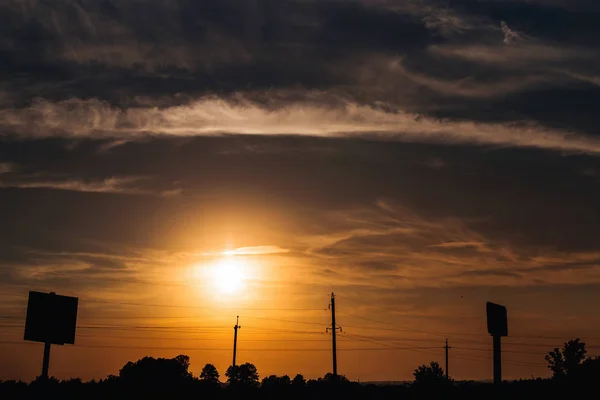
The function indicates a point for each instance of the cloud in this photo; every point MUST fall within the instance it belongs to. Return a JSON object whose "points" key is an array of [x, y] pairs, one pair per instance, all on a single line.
{"points": [[514, 57], [440, 253], [215, 116], [6, 168], [471, 87], [108, 185], [256, 250], [451, 245], [510, 36], [592, 79], [492, 273], [201, 68]]}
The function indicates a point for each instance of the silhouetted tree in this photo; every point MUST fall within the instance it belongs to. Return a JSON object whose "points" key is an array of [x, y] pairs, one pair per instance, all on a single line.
{"points": [[299, 381], [269, 381], [329, 377], [273, 382], [431, 374], [245, 374], [209, 374], [588, 371], [564, 362], [285, 380], [151, 371]]}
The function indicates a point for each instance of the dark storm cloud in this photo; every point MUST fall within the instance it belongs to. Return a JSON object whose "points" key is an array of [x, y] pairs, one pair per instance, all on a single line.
{"points": [[122, 50], [114, 69]]}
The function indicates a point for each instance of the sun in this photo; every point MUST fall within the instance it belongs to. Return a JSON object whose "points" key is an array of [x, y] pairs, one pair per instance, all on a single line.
{"points": [[228, 276]]}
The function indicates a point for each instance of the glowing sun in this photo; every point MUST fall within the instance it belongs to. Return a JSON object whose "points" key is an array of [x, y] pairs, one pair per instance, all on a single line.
{"points": [[228, 276]]}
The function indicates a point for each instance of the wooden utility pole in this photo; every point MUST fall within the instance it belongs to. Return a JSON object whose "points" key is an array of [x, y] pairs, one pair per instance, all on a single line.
{"points": [[235, 332], [333, 330]]}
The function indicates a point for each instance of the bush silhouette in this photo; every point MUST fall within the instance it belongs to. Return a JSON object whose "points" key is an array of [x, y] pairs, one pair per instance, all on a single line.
{"points": [[431, 374]]}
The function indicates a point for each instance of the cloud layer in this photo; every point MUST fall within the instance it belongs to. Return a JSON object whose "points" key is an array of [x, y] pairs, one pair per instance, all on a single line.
{"points": [[479, 73]]}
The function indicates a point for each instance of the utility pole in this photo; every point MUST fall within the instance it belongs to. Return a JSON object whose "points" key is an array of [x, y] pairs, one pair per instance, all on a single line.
{"points": [[447, 348], [235, 331], [333, 330]]}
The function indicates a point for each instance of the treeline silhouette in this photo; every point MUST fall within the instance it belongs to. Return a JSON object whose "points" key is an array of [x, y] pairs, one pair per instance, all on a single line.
{"points": [[574, 375]]}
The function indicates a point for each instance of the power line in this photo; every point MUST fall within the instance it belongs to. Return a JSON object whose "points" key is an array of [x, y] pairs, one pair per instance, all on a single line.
{"points": [[204, 349], [390, 324], [184, 306], [392, 347], [284, 320], [189, 330], [367, 339], [451, 334], [209, 328], [487, 360], [503, 351], [203, 339]]}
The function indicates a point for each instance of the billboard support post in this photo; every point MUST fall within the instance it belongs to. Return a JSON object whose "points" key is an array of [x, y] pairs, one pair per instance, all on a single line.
{"points": [[46, 363], [497, 360]]}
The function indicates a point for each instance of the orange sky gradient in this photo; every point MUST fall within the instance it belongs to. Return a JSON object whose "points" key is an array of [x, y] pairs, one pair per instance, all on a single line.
{"points": [[167, 303]]}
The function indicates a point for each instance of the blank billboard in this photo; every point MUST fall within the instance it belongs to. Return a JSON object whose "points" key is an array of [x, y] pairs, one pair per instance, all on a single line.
{"points": [[51, 318], [496, 320]]}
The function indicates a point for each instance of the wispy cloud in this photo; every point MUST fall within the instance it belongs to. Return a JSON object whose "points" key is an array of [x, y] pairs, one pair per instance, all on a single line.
{"points": [[108, 185], [213, 116], [437, 253], [450, 245], [514, 57], [510, 36], [6, 167], [256, 250]]}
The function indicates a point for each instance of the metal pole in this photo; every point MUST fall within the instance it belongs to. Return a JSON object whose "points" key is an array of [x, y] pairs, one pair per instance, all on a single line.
{"points": [[333, 331], [46, 362], [235, 330], [497, 360]]}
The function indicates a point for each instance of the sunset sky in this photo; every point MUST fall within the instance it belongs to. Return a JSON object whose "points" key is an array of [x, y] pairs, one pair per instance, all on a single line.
{"points": [[177, 163]]}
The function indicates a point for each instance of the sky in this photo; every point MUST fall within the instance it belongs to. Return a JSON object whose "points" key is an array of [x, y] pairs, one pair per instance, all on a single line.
{"points": [[175, 164]]}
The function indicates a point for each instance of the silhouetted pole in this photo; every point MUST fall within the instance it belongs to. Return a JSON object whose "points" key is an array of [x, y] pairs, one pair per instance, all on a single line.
{"points": [[497, 360], [46, 361], [333, 331], [447, 348], [235, 330]]}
